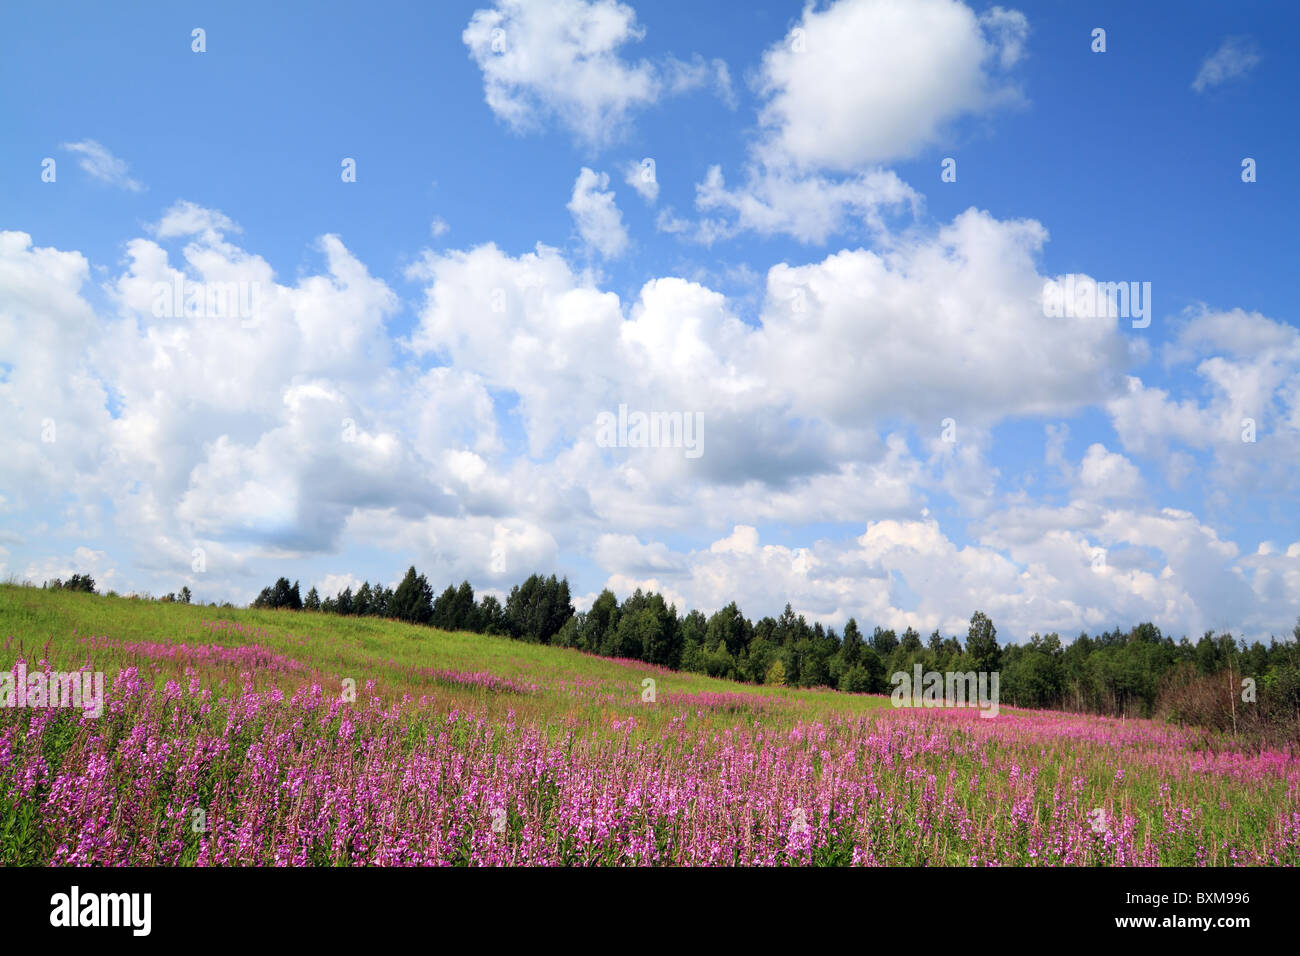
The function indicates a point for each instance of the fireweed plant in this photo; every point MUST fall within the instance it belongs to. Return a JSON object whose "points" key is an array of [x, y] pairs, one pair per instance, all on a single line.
{"points": [[235, 742]]}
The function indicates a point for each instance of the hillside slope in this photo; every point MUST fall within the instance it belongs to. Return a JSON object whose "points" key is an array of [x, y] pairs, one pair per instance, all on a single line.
{"points": [[229, 738], [69, 628]]}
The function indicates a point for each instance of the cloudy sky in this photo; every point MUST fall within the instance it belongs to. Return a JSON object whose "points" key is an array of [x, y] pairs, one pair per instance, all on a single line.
{"points": [[328, 290]]}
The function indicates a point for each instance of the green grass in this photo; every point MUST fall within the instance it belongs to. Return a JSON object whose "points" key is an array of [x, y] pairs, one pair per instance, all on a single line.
{"points": [[926, 791], [55, 625]]}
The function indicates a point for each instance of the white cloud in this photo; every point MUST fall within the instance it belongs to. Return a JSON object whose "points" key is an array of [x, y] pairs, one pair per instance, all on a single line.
{"points": [[882, 329], [643, 177], [886, 330], [52, 399], [1031, 570], [222, 437], [1147, 419], [1235, 57], [1239, 333], [185, 218], [331, 585], [82, 561], [868, 81], [783, 446], [809, 208], [490, 552], [103, 165], [1009, 29], [518, 324], [626, 553], [742, 540], [1249, 366], [859, 83], [543, 58], [682, 77], [599, 222], [302, 436], [1107, 474]]}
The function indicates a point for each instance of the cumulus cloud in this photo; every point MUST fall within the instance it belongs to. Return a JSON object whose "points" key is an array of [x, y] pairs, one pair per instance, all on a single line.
{"points": [[195, 430], [809, 208], [493, 553], [597, 217], [869, 81], [881, 329], [51, 397], [81, 560], [516, 323], [1107, 474], [886, 329], [852, 86], [185, 218], [332, 584], [1032, 569], [1246, 414], [563, 59], [630, 556], [473, 453]]}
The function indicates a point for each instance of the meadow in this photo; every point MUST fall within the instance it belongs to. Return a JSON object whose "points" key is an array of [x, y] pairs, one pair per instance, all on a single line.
{"points": [[230, 736]]}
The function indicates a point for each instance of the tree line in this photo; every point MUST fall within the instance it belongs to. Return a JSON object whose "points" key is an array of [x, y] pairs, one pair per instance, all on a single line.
{"points": [[1139, 672]]}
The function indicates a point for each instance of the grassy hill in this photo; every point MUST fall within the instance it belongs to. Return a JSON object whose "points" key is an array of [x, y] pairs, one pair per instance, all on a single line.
{"points": [[229, 739], [563, 685]]}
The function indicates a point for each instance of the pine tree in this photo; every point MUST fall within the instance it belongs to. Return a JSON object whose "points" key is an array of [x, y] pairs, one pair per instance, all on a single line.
{"points": [[982, 652], [463, 608], [413, 599], [444, 610]]}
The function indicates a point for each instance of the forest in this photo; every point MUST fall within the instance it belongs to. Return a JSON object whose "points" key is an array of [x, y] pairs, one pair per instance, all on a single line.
{"points": [[1218, 682]]}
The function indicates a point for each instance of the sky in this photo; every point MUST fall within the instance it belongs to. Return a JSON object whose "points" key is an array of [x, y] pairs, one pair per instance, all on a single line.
{"points": [[328, 290]]}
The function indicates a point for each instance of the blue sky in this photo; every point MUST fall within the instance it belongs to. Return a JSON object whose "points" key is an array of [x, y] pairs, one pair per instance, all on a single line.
{"points": [[793, 148]]}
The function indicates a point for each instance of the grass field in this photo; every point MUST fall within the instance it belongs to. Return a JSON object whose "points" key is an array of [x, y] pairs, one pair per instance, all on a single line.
{"points": [[229, 739]]}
